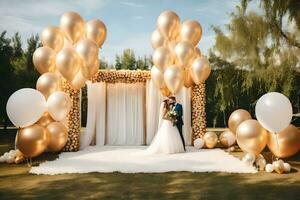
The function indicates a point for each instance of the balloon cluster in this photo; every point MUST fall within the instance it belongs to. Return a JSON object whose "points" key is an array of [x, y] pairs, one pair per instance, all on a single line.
{"points": [[176, 57], [210, 140], [69, 51], [281, 137], [279, 166], [272, 128]]}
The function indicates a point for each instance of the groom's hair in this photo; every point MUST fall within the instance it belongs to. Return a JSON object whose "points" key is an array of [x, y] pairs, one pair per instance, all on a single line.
{"points": [[173, 98]]}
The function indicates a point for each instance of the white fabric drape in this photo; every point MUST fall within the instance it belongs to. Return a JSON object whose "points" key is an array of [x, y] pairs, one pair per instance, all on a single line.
{"points": [[95, 115], [125, 114], [154, 99], [100, 113]]}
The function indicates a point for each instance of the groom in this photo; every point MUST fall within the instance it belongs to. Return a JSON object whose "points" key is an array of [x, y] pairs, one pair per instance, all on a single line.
{"points": [[179, 122]]}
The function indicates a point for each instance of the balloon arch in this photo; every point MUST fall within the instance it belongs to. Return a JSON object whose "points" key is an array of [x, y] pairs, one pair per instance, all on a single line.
{"points": [[198, 101]]}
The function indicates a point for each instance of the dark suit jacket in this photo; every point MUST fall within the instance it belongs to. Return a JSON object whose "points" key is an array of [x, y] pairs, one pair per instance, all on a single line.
{"points": [[179, 110]]}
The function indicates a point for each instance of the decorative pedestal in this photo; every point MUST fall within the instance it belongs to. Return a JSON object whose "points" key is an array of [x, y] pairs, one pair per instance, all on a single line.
{"points": [[73, 119], [198, 111]]}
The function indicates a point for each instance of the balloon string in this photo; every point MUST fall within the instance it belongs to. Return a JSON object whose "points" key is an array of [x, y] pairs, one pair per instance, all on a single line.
{"points": [[29, 161], [277, 141]]}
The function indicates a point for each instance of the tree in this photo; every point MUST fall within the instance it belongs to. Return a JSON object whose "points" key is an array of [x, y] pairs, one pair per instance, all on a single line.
{"points": [[250, 57], [128, 59], [7, 80], [275, 12], [103, 64], [118, 64], [25, 72]]}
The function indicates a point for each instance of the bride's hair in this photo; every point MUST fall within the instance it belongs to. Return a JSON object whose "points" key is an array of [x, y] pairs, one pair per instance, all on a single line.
{"points": [[166, 105]]}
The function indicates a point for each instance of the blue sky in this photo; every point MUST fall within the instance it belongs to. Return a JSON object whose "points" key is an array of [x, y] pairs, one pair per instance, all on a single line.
{"points": [[129, 22]]}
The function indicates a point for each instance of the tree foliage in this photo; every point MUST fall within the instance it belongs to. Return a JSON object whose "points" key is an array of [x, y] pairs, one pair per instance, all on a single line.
{"points": [[253, 55]]}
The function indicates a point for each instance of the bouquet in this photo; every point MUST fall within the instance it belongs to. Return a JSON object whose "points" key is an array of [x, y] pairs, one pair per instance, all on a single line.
{"points": [[172, 116]]}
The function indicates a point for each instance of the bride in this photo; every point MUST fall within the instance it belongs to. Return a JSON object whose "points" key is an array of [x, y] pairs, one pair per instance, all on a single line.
{"points": [[167, 139]]}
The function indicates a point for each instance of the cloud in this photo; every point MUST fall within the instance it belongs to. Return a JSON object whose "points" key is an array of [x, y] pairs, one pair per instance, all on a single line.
{"points": [[138, 17], [132, 4], [206, 42]]}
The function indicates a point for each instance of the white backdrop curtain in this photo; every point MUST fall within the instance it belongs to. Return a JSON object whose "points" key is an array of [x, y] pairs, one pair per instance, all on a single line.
{"points": [[122, 114], [125, 114]]}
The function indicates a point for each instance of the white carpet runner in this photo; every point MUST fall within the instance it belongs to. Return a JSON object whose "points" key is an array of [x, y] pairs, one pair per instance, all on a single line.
{"points": [[126, 160]]}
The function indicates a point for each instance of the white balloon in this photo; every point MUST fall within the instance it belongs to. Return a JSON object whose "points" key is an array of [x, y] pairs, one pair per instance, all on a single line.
{"points": [[269, 168], [199, 143], [260, 162], [249, 158], [25, 107], [287, 167], [2, 159], [274, 111]]}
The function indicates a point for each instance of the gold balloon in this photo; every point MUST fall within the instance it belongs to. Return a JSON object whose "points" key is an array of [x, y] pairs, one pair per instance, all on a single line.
{"points": [[59, 105], [165, 91], [168, 23], [48, 83], [32, 140], [188, 81], [251, 136], [198, 53], [162, 58], [45, 120], [72, 25], [278, 166], [191, 31], [78, 81], [87, 50], [210, 139], [52, 37], [68, 63], [184, 52], [227, 138], [44, 59], [89, 71], [157, 40], [157, 77], [288, 142], [19, 159], [96, 31], [58, 136], [174, 78], [200, 70], [236, 118]]}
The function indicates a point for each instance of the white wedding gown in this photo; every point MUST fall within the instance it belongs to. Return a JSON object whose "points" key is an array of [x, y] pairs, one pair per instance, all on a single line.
{"points": [[167, 139]]}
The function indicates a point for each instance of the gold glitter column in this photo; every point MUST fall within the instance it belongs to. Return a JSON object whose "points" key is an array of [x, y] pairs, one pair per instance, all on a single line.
{"points": [[73, 119], [198, 111]]}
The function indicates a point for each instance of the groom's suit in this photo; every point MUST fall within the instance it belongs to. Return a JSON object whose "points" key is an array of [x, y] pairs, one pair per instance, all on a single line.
{"points": [[179, 122]]}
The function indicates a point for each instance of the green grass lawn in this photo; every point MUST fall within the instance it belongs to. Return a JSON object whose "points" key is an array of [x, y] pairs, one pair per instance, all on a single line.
{"points": [[17, 183]]}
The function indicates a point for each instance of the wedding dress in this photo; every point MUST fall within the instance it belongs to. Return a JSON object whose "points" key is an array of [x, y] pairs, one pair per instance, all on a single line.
{"points": [[167, 139]]}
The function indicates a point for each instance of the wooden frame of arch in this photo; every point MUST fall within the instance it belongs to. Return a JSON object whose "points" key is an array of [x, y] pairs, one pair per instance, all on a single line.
{"points": [[129, 76]]}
